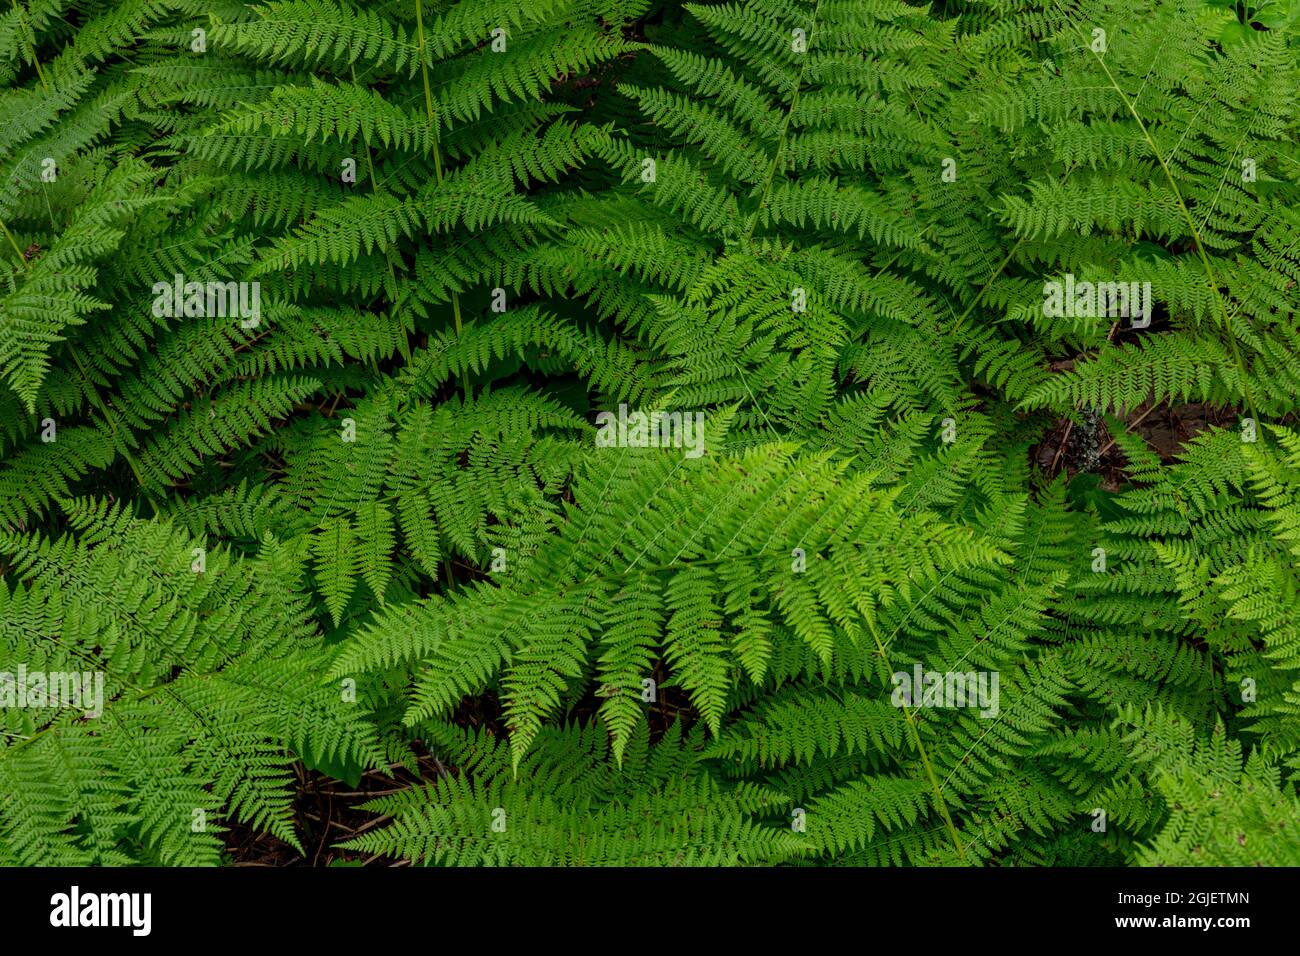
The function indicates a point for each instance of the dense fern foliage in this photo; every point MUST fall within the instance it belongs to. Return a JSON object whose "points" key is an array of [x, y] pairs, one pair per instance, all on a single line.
{"points": [[651, 413]]}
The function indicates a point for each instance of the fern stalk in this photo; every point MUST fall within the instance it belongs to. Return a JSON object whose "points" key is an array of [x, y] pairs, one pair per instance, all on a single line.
{"points": [[940, 803], [22, 259], [433, 133], [36, 60], [1187, 216], [785, 125]]}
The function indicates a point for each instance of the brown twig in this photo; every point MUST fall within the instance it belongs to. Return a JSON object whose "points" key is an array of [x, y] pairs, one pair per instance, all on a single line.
{"points": [[1065, 440]]}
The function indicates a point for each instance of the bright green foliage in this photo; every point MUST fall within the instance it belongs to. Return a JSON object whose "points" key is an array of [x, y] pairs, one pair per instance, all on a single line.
{"points": [[211, 686], [390, 509]]}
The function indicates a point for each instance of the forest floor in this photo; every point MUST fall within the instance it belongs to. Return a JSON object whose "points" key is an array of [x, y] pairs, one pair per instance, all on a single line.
{"points": [[1164, 428]]}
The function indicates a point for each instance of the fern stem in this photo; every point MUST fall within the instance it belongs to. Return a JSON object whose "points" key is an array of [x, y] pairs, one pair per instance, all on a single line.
{"points": [[1191, 225], [921, 752], [998, 271], [993, 276], [31, 36], [22, 259], [433, 134], [109, 417], [785, 126], [392, 273]]}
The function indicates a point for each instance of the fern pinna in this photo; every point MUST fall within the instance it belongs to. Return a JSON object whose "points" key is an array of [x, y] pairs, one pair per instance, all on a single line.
{"points": [[656, 433]]}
